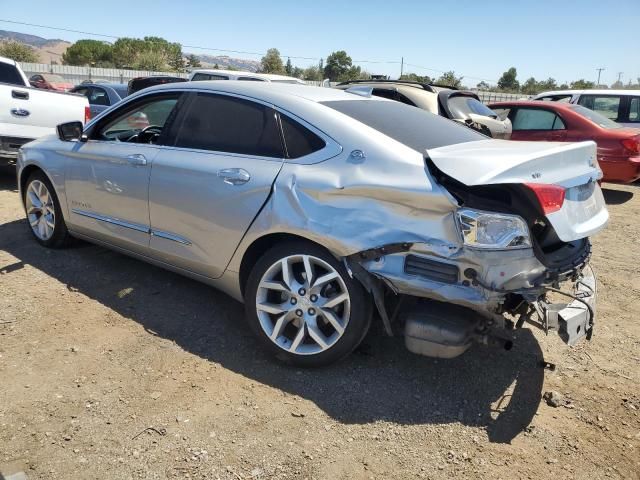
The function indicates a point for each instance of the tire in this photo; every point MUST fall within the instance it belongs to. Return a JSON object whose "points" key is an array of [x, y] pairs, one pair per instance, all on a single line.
{"points": [[332, 324], [48, 228]]}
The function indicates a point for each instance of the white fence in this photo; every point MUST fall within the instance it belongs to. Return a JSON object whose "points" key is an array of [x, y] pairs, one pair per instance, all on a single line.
{"points": [[79, 74]]}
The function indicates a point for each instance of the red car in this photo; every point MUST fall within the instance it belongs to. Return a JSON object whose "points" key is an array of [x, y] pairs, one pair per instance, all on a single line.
{"points": [[618, 147], [49, 81]]}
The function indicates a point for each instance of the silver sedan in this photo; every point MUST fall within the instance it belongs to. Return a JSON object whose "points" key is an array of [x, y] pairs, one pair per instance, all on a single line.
{"points": [[321, 208]]}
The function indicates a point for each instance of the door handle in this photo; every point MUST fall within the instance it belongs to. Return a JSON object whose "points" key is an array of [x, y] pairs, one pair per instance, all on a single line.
{"points": [[20, 95], [234, 176], [137, 159]]}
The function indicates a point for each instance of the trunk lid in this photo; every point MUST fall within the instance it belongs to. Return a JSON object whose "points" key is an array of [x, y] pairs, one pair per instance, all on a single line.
{"points": [[570, 165]]}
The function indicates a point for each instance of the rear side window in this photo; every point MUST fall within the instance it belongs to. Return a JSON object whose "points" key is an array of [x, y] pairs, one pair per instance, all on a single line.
{"points": [[251, 79], [596, 118], [300, 141], [536, 119], [9, 74], [99, 97], [228, 124], [634, 110], [607, 105], [208, 76]]}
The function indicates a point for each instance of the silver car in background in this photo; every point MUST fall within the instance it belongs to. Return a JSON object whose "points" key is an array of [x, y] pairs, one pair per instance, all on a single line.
{"points": [[320, 209]]}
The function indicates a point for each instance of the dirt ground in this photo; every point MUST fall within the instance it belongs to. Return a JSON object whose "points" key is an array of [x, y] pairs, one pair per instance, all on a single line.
{"points": [[111, 368]]}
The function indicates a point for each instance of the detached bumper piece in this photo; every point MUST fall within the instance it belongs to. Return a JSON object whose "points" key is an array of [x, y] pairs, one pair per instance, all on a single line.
{"points": [[573, 321]]}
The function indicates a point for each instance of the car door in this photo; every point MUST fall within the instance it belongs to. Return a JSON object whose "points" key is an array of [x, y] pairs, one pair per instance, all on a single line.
{"points": [[207, 188], [536, 124], [107, 176]]}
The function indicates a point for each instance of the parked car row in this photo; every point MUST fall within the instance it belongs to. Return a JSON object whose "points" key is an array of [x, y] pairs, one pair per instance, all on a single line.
{"points": [[320, 207]]}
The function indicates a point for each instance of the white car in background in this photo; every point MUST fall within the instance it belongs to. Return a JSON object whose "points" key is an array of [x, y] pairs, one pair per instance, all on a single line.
{"points": [[215, 74], [621, 106], [27, 113]]}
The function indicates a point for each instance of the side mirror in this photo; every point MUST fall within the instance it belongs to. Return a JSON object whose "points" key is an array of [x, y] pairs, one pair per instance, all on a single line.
{"points": [[70, 131]]}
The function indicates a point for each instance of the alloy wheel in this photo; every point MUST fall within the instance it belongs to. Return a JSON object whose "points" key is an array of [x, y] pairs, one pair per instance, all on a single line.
{"points": [[303, 304], [40, 210]]}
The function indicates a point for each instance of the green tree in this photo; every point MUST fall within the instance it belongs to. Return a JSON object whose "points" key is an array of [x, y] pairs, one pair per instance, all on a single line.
{"points": [[193, 61], [548, 84], [530, 87], [216, 67], [297, 72], [508, 81], [450, 79], [412, 77], [582, 84], [89, 52], [18, 51], [339, 67], [271, 62], [483, 86], [289, 67], [149, 53], [312, 73]]}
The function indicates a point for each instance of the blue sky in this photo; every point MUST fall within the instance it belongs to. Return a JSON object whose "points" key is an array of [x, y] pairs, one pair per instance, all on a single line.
{"points": [[477, 39]]}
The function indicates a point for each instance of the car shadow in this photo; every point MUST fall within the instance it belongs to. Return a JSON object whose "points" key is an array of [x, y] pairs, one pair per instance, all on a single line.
{"points": [[616, 197], [8, 178], [496, 390]]}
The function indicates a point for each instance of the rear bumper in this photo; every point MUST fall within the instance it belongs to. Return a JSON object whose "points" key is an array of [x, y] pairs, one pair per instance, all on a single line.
{"points": [[622, 170]]}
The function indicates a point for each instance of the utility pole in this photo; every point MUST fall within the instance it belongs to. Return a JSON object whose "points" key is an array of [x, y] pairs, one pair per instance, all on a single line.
{"points": [[401, 66], [620, 76], [599, 71]]}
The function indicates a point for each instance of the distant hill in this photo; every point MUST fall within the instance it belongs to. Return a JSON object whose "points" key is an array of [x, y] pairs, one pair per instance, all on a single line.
{"points": [[48, 49], [51, 50]]}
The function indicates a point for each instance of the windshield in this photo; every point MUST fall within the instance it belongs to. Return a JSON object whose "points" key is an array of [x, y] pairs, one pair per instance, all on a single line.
{"points": [[462, 106], [595, 117], [414, 127]]}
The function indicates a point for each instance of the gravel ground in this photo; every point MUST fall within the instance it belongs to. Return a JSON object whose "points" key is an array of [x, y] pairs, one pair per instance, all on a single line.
{"points": [[111, 368]]}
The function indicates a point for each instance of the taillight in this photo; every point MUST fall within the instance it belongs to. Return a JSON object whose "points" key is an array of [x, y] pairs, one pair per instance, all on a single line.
{"points": [[632, 144], [87, 114], [550, 197]]}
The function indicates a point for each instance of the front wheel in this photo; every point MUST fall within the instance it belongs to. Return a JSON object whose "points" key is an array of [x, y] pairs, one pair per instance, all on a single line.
{"points": [[44, 213], [304, 306]]}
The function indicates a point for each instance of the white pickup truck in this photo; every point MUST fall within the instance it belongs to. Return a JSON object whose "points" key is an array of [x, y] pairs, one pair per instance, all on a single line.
{"points": [[27, 113]]}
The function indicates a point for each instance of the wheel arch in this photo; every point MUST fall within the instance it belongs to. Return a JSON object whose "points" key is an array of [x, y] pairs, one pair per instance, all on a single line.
{"points": [[260, 245]]}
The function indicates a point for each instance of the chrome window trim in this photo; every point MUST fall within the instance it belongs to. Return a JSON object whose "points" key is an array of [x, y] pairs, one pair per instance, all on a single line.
{"points": [[331, 149]]}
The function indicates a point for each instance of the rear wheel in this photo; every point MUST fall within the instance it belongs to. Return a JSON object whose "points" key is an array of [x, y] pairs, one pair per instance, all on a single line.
{"points": [[304, 306], [44, 213]]}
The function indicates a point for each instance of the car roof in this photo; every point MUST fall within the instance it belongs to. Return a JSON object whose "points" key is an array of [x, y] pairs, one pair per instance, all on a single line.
{"points": [[266, 91], [600, 91], [269, 76]]}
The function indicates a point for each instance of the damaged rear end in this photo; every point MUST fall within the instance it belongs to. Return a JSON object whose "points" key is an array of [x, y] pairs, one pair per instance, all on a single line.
{"points": [[525, 212]]}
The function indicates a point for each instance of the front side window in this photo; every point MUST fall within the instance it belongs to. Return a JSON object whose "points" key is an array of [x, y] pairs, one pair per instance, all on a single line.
{"points": [[299, 140], [607, 105], [228, 124], [536, 119], [148, 116]]}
